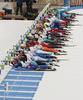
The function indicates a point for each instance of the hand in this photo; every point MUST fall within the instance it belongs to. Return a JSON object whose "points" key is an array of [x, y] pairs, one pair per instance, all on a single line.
{"points": [[62, 51]]}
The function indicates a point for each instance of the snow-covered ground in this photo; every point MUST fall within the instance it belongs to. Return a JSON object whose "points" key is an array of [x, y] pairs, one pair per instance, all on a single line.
{"points": [[64, 84], [67, 82], [10, 31]]}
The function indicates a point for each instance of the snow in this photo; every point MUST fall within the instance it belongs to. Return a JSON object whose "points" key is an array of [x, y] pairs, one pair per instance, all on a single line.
{"points": [[10, 31], [67, 82], [64, 84]]}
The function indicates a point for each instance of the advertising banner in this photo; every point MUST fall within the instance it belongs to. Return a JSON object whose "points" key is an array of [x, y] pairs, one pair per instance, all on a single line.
{"points": [[74, 3]]}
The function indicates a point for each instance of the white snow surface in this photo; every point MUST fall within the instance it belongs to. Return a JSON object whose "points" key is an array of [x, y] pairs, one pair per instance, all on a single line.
{"points": [[67, 82], [10, 31], [64, 84]]}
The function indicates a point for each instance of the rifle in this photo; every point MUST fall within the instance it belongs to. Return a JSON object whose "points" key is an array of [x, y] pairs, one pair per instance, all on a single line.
{"points": [[70, 45], [77, 14], [69, 19], [58, 60], [75, 25], [57, 53]]}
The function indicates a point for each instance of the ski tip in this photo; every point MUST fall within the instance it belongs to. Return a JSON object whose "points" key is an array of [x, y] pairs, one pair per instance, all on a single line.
{"points": [[68, 59]]}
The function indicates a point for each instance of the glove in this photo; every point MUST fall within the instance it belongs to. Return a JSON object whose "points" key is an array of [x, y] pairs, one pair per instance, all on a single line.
{"points": [[52, 60], [62, 51]]}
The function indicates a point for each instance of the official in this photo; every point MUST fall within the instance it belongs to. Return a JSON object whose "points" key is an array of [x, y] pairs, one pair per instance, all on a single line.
{"points": [[66, 2], [6, 0], [19, 5], [29, 5]]}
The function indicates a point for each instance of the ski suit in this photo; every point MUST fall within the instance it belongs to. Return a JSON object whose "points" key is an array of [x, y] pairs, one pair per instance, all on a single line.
{"points": [[43, 52], [44, 56], [55, 24], [17, 64], [48, 49], [63, 14], [37, 58], [49, 46], [33, 66], [55, 30]]}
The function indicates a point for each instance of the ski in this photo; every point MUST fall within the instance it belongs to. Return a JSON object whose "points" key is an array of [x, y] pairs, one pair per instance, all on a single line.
{"points": [[35, 69], [78, 14]]}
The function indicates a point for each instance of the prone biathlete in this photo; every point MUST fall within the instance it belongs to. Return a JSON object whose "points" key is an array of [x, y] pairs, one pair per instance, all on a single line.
{"points": [[50, 46], [56, 30], [42, 62], [51, 50], [47, 53], [37, 58], [57, 18], [44, 56], [34, 65], [43, 52], [55, 24], [64, 14], [46, 63]]}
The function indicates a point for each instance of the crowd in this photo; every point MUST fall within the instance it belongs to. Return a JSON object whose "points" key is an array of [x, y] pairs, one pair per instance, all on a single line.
{"points": [[19, 4], [29, 3], [38, 49]]}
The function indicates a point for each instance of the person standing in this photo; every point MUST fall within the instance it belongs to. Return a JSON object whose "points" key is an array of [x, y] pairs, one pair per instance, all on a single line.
{"points": [[6, 0], [66, 2], [29, 5], [19, 5]]}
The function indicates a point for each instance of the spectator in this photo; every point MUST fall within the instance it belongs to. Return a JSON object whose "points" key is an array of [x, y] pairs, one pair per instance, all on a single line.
{"points": [[6, 0], [34, 1], [29, 5], [19, 5], [66, 2]]}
